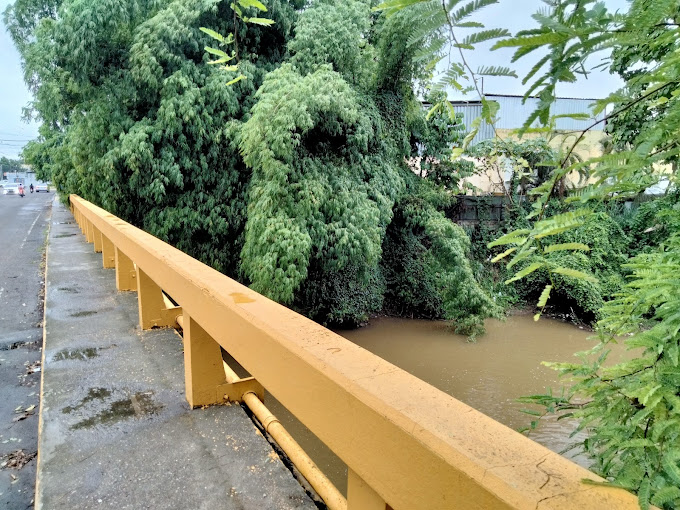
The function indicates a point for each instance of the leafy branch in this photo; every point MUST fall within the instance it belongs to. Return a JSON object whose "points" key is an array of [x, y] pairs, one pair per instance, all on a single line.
{"points": [[239, 8]]}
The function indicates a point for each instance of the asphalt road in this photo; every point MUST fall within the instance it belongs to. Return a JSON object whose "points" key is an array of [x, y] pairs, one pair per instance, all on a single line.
{"points": [[23, 229]]}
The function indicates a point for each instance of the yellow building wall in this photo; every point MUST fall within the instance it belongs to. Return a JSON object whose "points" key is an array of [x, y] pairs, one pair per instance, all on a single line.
{"points": [[589, 147]]}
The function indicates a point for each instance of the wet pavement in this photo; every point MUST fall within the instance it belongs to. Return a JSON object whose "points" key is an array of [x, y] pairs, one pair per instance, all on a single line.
{"points": [[116, 430], [23, 225]]}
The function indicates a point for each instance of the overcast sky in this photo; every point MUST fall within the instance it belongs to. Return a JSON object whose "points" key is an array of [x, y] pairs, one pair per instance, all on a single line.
{"points": [[13, 96], [515, 15], [511, 14]]}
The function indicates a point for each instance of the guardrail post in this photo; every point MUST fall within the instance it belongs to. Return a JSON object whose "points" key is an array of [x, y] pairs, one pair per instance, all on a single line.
{"points": [[89, 231], [126, 276], [204, 375], [97, 238], [108, 253], [203, 369], [360, 496], [152, 310]]}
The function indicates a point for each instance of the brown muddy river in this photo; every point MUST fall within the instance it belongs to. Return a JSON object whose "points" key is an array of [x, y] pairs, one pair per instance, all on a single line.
{"points": [[488, 375]]}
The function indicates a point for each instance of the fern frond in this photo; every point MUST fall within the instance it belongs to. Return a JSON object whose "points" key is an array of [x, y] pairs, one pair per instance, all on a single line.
{"points": [[504, 254], [484, 35], [543, 299], [427, 22], [566, 247], [451, 78], [537, 67], [670, 464], [514, 237], [665, 496], [496, 71], [391, 7], [469, 9], [574, 273], [526, 271], [532, 40]]}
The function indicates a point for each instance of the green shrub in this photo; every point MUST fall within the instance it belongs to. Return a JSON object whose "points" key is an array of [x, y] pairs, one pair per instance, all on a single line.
{"points": [[433, 276], [582, 298]]}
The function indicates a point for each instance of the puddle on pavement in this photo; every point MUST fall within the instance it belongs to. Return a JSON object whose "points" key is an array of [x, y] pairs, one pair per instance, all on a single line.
{"points": [[79, 354], [83, 313], [93, 394], [72, 290], [58, 236], [17, 345], [138, 405]]}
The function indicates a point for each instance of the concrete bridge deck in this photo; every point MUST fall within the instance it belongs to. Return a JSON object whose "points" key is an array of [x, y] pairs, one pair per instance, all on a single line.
{"points": [[116, 430]]}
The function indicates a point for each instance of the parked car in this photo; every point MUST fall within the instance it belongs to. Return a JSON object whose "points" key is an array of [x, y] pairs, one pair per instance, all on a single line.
{"points": [[11, 189], [42, 187]]}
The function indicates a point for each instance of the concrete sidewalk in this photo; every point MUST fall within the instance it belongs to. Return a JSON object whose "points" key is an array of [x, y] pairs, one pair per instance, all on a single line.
{"points": [[116, 430]]}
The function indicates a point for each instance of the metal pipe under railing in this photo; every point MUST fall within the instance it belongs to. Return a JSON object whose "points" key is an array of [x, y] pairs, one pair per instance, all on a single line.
{"points": [[321, 484], [305, 465]]}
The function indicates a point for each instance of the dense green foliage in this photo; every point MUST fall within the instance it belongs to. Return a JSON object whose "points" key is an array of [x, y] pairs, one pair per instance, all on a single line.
{"points": [[322, 192], [632, 409], [134, 119], [267, 140], [326, 142], [581, 298], [433, 277], [10, 165]]}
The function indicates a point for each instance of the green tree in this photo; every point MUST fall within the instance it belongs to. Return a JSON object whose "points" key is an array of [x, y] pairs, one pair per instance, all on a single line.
{"points": [[631, 408], [326, 142], [133, 118], [277, 159], [10, 165]]}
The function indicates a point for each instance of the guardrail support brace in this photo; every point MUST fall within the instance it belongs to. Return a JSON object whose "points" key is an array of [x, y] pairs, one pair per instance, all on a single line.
{"points": [[360, 496], [97, 238], [204, 375], [126, 276], [152, 309], [108, 253]]}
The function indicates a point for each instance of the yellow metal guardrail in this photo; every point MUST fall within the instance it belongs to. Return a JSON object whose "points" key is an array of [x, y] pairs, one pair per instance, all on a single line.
{"points": [[407, 445]]}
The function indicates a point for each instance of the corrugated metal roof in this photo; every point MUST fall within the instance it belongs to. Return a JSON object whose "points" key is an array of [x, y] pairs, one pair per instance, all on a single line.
{"points": [[513, 113], [470, 112]]}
